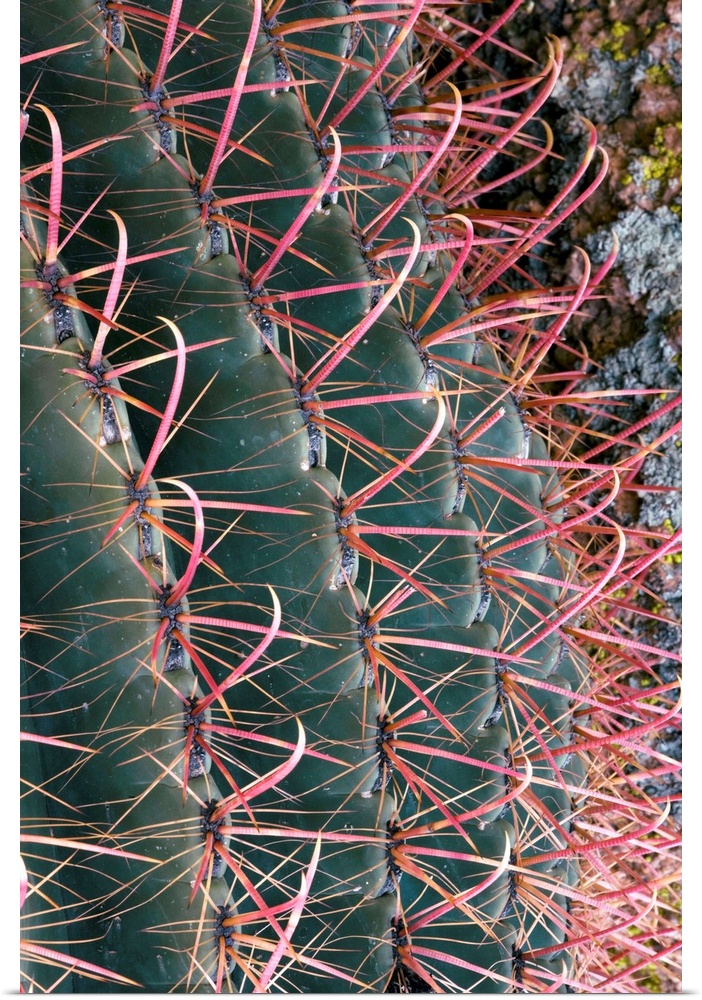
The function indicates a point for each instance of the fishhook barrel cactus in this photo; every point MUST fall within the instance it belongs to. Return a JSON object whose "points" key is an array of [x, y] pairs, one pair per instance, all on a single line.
{"points": [[302, 702]]}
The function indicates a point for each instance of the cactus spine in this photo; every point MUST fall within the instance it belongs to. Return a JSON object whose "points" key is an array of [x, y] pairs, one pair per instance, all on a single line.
{"points": [[339, 754]]}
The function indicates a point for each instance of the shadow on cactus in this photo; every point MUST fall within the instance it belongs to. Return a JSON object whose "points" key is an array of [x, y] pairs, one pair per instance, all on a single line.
{"points": [[323, 685]]}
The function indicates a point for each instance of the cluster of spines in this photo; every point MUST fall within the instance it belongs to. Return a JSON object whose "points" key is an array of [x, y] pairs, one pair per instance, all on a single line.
{"points": [[395, 603]]}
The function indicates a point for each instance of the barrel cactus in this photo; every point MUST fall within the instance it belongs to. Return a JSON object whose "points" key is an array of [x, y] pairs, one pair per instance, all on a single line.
{"points": [[302, 703]]}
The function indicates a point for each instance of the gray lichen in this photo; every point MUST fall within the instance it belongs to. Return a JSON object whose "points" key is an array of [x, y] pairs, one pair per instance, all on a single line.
{"points": [[651, 361], [650, 251], [603, 95]]}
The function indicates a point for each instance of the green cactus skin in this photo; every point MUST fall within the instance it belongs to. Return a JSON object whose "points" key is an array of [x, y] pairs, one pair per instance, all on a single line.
{"points": [[91, 626], [409, 567]]}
